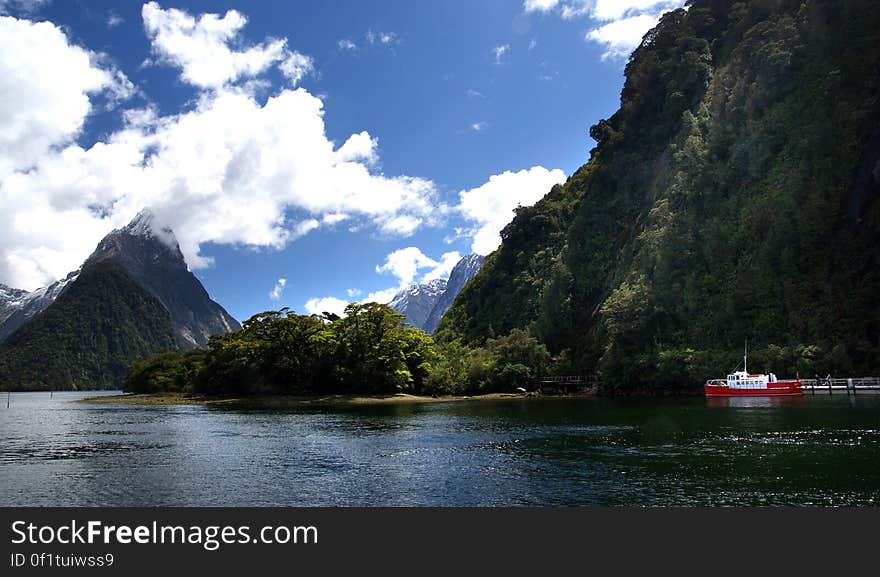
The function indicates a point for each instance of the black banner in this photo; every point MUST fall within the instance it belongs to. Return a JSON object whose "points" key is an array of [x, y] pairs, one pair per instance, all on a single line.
{"points": [[330, 541]]}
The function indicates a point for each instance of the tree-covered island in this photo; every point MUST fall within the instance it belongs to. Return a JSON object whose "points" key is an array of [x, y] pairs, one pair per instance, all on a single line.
{"points": [[369, 351]]}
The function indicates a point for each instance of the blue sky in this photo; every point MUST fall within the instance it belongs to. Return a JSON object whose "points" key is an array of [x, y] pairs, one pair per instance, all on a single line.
{"points": [[346, 147]]}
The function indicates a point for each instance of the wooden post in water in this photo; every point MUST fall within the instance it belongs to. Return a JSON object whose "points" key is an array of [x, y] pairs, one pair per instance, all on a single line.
{"points": [[828, 378]]}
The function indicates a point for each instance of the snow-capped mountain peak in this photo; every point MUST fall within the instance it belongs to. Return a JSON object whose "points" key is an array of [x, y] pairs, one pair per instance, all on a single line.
{"points": [[417, 300], [145, 224], [424, 304], [17, 306]]}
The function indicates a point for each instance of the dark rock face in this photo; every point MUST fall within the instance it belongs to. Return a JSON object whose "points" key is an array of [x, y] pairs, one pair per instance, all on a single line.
{"points": [[466, 269], [153, 258]]}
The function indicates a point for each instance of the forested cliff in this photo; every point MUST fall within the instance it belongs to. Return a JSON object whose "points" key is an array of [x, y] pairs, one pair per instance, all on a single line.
{"points": [[732, 197]]}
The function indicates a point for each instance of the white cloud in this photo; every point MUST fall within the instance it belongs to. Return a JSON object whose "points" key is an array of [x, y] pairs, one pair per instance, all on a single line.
{"points": [[114, 20], [383, 296], [333, 218], [405, 263], [500, 51], [296, 66], [490, 206], [386, 38], [575, 9], [46, 85], [201, 47], [619, 24], [539, 5], [353, 292], [475, 93], [533, 44], [279, 288], [346, 44], [478, 126], [607, 10], [304, 227], [621, 37], [228, 170], [332, 305], [447, 262], [359, 146]]}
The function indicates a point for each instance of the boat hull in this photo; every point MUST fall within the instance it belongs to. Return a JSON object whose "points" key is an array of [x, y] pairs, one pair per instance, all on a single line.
{"points": [[775, 389]]}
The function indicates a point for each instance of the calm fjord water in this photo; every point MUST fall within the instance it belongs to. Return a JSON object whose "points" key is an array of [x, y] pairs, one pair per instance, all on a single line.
{"points": [[820, 450]]}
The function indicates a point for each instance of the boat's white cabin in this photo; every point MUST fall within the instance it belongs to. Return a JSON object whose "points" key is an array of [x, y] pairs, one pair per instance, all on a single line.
{"points": [[743, 380]]}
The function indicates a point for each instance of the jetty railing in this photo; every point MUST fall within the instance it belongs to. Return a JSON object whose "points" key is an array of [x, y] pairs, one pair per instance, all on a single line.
{"points": [[570, 384], [850, 385]]}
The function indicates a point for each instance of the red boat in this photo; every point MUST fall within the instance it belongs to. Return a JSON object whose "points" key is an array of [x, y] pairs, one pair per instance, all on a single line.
{"points": [[744, 384]]}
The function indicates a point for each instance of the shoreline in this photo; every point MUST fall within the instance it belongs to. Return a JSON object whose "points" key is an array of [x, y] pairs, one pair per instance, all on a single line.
{"points": [[170, 399]]}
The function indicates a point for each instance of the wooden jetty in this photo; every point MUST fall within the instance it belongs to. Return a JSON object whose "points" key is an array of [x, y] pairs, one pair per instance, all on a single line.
{"points": [[568, 384], [849, 386]]}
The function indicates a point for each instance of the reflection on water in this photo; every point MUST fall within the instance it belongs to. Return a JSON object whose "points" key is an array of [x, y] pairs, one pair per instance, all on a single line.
{"points": [[752, 402], [818, 450]]}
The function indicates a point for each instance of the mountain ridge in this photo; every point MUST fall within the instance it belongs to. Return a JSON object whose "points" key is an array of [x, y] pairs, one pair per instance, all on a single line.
{"points": [[425, 303], [133, 296]]}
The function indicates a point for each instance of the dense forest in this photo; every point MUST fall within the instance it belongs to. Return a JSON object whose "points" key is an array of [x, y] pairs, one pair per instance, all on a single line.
{"points": [[733, 197], [89, 336]]}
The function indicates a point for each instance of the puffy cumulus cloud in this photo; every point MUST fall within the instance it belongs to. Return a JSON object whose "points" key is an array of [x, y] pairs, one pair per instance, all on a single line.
{"points": [[275, 293], [359, 146], [46, 84], [619, 24], [202, 48], [227, 171], [331, 305], [405, 263], [490, 206]]}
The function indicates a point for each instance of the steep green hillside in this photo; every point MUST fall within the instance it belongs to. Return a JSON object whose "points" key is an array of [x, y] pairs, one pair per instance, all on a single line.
{"points": [[732, 197], [89, 336]]}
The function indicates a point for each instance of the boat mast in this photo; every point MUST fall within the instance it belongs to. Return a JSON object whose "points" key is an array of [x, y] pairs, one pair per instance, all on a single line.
{"points": [[746, 358]]}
